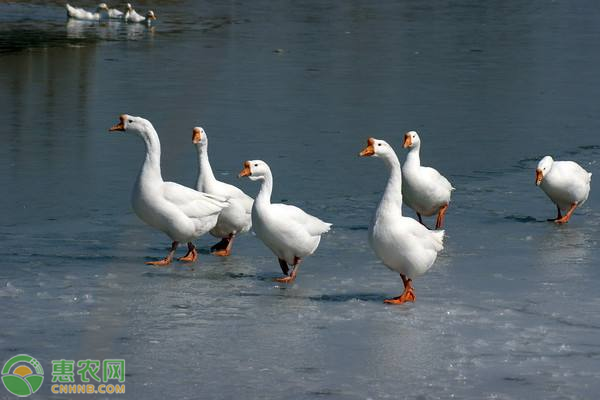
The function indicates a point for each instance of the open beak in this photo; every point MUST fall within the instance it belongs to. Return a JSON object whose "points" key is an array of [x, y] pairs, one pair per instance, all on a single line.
{"points": [[120, 127], [369, 150], [538, 177], [246, 171], [407, 141], [196, 136]]}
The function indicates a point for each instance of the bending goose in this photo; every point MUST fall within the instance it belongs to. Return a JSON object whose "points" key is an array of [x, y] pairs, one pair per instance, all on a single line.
{"points": [[113, 13], [424, 189], [566, 183], [80, 13], [401, 243], [132, 16], [180, 212], [235, 219], [289, 232]]}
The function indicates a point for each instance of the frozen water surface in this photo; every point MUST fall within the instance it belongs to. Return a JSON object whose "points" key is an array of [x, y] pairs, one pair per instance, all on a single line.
{"points": [[510, 310]]}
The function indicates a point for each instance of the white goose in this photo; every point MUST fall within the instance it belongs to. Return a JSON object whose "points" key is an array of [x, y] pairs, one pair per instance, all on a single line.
{"points": [[80, 13], [180, 212], [235, 219], [401, 243], [424, 189], [113, 13], [132, 16], [289, 232], [566, 183]]}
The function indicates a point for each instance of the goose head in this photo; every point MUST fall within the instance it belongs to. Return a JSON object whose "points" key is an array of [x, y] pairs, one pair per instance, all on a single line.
{"points": [[129, 7], [102, 7], [411, 139], [376, 148], [199, 137], [150, 15], [255, 170], [129, 123], [543, 167]]}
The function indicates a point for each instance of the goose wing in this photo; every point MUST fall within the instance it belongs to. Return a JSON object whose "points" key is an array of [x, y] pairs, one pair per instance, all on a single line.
{"points": [[194, 204], [313, 225]]}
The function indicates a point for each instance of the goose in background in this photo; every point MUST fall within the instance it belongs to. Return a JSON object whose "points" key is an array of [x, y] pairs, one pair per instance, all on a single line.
{"points": [[233, 220], [425, 190], [80, 13], [566, 183]]}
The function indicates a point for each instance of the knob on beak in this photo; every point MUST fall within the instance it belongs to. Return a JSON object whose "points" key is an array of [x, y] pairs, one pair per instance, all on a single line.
{"points": [[196, 135], [538, 177], [120, 126], [246, 171], [369, 150]]}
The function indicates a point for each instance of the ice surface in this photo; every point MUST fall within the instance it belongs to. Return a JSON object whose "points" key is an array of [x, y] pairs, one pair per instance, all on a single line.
{"points": [[510, 309]]}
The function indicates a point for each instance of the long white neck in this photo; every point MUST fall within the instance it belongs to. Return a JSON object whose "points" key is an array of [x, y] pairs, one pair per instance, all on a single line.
{"points": [[151, 166], [205, 172], [413, 158], [391, 201], [266, 188]]}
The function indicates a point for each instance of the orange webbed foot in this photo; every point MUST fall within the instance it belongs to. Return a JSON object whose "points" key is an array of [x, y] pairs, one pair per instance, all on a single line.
{"points": [[191, 256], [407, 296], [222, 253], [160, 263], [285, 279]]}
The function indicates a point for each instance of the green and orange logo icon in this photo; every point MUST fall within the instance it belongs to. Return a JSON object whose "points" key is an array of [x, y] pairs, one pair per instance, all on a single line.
{"points": [[22, 375]]}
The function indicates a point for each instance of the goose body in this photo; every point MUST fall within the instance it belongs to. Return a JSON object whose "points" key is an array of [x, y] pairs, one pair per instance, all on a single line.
{"points": [[80, 13], [402, 244], [132, 16], [233, 220], [181, 213], [566, 183], [424, 189], [113, 13], [288, 231]]}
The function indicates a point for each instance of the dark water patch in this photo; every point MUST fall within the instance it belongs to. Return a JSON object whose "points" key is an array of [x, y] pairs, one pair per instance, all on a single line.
{"points": [[522, 218], [516, 379], [342, 298]]}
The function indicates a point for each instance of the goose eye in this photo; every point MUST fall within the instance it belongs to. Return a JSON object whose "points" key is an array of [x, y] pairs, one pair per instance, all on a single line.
{"points": [[256, 165], [130, 121], [378, 144]]}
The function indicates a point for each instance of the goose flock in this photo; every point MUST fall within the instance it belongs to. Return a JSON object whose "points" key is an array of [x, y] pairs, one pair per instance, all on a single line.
{"points": [[403, 244], [128, 14]]}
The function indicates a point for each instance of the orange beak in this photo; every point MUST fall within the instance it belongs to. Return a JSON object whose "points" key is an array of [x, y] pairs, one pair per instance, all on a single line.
{"points": [[407, 141], [538, 177], [120, 126], [369, 150], [196, 135], [246, 171]]}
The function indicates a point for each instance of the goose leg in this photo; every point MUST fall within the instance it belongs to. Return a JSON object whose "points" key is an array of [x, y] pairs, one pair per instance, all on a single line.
{"points": [[441, 215], [167, 260], [558, 215], [566, 218], [292, 276], [223, 248], [191, 255], [421, 220], [407, 295], [284, 267]]}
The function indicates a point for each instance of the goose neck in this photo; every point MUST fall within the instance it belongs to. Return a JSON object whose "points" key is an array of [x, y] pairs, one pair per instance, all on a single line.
{"points": [[205, 172], [264, 195], [391, 201]]}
